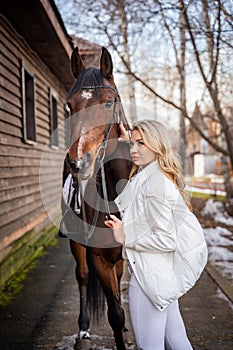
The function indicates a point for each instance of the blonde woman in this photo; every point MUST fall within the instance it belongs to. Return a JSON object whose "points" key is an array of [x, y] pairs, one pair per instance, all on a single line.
{"points": [[162, 239]]}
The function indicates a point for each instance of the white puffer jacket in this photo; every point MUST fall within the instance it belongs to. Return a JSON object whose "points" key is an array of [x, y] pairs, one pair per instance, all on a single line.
{"points": [[164, 242]]}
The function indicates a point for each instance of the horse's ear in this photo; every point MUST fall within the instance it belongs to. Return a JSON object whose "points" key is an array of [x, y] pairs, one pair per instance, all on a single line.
{"points": [[106, 65], [77, 65]]}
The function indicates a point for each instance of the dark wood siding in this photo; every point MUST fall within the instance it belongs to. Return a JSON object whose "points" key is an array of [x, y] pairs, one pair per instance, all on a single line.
{"points": [[20, 162]]}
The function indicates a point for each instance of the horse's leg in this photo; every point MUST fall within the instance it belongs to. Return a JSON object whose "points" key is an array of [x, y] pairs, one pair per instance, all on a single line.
{"points": [[119, 272], [81, 272], [108, 274]]}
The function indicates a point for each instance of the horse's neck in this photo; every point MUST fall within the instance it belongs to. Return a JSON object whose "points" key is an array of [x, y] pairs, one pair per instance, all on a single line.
{"points": [[117, 170]]}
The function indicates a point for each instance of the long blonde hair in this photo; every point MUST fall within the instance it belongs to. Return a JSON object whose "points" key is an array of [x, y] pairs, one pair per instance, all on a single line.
{"points": [[156, 137]]}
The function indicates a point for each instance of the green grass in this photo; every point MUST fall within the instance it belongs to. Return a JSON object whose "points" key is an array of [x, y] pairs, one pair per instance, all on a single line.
{"points": [[15, 284], [207, 196]]}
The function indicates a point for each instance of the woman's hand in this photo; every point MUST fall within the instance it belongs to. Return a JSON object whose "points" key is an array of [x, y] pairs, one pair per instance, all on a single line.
{"points": [[117, 226], [124, 136]]}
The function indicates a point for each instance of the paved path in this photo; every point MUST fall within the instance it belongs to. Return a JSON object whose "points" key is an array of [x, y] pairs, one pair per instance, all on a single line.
{"points": [[43, 316]]}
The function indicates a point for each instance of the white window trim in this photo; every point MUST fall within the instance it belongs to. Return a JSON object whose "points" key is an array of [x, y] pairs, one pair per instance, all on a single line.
{"points": [[53, 94], [27, 68]]}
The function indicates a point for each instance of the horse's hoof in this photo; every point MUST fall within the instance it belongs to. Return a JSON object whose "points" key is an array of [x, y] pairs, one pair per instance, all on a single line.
{"points": [[82, 344]]}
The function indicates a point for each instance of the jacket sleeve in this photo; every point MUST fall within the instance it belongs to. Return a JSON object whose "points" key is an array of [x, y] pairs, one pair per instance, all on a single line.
{"points": [[159, 227]]}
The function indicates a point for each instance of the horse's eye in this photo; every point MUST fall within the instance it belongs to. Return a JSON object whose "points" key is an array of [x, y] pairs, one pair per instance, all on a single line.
{"points": [[108, 104]]}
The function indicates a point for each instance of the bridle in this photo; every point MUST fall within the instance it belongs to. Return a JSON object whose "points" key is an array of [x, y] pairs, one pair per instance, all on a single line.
{"points": [[115, 117], [100, 159]]}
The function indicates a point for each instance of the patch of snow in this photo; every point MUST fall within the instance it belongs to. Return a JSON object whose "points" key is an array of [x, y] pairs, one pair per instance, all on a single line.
{"points": [[220, 254], [67, 343], [219, 242], [218, 236], [216, 211]]}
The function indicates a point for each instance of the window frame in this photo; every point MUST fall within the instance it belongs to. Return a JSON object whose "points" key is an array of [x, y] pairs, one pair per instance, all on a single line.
{"points": [[67, 116], [54, 137], [27, 129]]}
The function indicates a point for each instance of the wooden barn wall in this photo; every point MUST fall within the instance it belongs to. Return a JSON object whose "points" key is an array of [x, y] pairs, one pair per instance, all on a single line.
{"points": [[22, 209]]}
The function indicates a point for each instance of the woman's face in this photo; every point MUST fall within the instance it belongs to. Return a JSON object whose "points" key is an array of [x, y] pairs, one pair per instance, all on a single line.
{"points": [[141, 154]]}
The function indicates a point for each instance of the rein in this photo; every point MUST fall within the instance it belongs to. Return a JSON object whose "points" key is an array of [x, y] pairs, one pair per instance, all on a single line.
{"points": [[100, 158]]}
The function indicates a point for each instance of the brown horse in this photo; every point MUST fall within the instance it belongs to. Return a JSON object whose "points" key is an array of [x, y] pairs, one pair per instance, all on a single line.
{"points": [[96, 169]]}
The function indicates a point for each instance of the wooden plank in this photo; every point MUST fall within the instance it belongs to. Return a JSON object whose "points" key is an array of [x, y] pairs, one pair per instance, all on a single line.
{"points": [[43, 112], [13, 67], [43, 128], [16, 234], [27, 151], [21, 223], [10, 129], [8, 172], [42, 123], [20, 171], [42, 86], [8, 37], [42, 101], [19, 216], [16, 162], [8, 96], [10, 55], [36, 151], [43, 139], [16, 182], [11, 119], [7, 85], [8, 140], [23, 192], [10, 207], [6, 73], [7, 106]]}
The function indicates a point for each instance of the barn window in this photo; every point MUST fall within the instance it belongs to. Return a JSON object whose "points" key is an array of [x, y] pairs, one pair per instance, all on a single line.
{"points": [[67, 126], [53, 120], [28, 104]]}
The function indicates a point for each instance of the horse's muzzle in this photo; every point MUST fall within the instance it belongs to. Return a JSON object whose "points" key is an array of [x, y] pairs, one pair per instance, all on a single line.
{"points": [[80, 168]]}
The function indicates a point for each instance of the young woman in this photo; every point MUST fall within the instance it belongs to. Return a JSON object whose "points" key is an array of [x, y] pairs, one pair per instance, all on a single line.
{"points": [[162, 239]]}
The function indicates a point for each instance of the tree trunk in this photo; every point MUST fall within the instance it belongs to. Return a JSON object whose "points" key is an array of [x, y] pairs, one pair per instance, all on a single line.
{"points": [[182, 146], [131, 81], [228, 185]]}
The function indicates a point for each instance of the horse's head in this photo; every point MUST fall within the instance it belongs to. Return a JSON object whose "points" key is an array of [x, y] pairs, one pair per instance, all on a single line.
{"points": [[96, 110]]}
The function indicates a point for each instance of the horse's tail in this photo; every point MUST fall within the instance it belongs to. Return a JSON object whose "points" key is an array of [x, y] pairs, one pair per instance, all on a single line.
{"points": [[95, 294]]}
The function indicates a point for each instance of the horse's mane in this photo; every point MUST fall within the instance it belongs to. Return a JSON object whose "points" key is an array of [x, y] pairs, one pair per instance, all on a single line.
{"points": [[91, 77]]}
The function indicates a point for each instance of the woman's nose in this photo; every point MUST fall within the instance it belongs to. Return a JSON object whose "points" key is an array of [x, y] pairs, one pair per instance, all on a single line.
{"points": [[133, 149]]}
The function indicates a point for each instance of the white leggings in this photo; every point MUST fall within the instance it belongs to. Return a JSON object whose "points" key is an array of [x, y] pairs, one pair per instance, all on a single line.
{"points": [[154, 329]]}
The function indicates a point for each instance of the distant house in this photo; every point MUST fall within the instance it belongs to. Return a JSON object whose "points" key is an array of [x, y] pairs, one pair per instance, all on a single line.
{"points": [[204, 159], [35, 79]]}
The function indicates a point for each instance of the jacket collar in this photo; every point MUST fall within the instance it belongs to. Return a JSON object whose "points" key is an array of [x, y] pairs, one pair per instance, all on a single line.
{"points": [[149, 169], [127, 196]]}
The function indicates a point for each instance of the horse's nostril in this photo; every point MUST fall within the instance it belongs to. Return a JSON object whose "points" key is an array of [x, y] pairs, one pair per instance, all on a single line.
{"points": [[88, 159], [81, 165], [84, 162], [71, 163]]}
